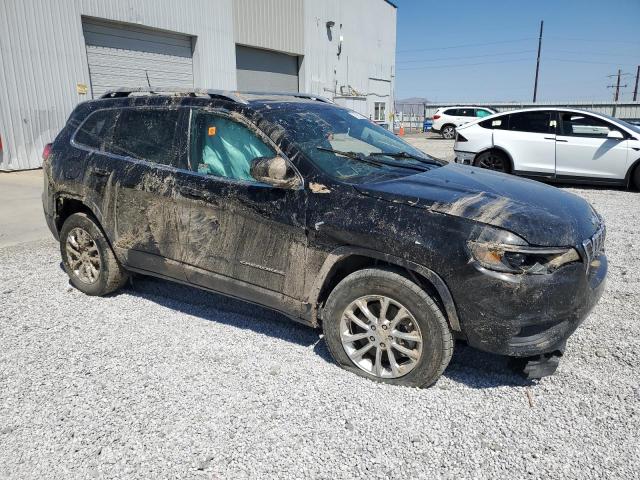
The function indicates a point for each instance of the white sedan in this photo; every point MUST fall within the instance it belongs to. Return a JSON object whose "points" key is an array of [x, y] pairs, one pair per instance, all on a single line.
{"points": [[558, 144]]}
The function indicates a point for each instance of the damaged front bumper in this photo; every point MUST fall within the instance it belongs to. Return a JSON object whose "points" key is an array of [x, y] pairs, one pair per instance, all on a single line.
{"points": [[528, 315]]}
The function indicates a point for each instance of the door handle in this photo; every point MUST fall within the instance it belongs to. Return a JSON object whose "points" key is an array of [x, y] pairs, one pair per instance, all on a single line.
{"points": [[561, 140], [191, 192], [549, 138], [101, 172]]}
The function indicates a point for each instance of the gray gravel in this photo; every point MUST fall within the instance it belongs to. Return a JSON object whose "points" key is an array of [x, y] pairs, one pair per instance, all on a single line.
{"points": [[166, 381]]}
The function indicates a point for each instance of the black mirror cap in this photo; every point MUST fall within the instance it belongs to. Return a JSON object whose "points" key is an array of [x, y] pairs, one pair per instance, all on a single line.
{"points": [[274, 171]]}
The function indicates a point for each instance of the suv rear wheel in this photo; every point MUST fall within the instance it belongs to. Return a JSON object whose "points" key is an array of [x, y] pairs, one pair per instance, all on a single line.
{"points": [[382, 326], [448, 132], [87, 257], [492, 160]]}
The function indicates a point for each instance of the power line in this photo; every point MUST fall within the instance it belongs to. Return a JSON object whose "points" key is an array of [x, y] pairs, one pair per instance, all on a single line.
{"points": [[465, 57], [465, 64], [581, 61], [594, 40], [448, 47]]}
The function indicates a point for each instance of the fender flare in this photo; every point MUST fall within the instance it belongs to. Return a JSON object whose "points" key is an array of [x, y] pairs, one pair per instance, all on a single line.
{"points": [[341, 253], [627, 178]]}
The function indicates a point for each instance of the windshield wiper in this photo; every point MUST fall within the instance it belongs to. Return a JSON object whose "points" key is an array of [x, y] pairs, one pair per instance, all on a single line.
{"points": [[378, 163], [420, 159]]}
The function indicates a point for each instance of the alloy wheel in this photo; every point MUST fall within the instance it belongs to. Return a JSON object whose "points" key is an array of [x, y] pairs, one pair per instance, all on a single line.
{"points": [[83, 256], [449, 133], [492, 162], [381, 336]]}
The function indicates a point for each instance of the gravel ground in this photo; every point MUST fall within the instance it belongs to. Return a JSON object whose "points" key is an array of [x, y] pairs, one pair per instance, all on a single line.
{"points": [[166, 381]]}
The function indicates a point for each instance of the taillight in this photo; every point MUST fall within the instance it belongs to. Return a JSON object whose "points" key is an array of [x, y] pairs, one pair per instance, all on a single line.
{"points": [[435, 117], [460, 138], [0, 143], [46, 152]]}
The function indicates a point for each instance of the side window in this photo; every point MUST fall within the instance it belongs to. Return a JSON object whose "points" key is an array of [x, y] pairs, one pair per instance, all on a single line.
{"points": [[466, 112], [534, 122], [223, 147], [146, 134], [498, 123], [96, 129], [579, 125], [452, 111], [480, 112]]}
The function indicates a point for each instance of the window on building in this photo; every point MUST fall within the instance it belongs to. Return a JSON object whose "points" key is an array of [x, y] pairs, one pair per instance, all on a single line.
{"points": [[379, 111], [534, 122], [224, 148], [97, 127], [146, 134]]}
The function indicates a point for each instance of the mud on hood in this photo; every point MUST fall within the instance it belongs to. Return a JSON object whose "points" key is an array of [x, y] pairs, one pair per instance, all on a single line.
{"points": [[541, 214]]}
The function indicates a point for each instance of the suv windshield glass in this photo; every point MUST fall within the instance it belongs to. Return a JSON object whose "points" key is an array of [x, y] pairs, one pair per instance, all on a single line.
{"points": [[337, 140]]}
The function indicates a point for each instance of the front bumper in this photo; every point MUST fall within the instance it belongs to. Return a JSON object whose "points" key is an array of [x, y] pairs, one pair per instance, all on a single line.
{"points": [[527, 315], [466, 158]]}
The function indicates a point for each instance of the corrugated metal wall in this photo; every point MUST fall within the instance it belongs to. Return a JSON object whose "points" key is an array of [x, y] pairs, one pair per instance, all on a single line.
{"points": [[44, 58], [270, 24]]}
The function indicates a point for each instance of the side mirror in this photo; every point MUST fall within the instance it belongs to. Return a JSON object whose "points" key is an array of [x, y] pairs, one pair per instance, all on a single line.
{"points": [[615, 134], [274, 171]]}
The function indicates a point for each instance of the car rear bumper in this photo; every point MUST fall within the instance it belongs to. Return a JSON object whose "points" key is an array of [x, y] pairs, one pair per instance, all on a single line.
{"points": [[463, 157], [527, 315]]}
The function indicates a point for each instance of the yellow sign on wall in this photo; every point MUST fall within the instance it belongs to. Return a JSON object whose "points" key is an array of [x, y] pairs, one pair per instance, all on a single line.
{"points": [[82, 89]]}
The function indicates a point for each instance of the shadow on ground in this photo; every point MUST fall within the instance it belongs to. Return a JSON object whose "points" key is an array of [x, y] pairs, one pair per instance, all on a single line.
{"points": [[468, 366]]}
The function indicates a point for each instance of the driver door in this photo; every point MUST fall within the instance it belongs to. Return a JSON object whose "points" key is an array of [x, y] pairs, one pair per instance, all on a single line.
{"points": [[246, 238], [583, 149]]}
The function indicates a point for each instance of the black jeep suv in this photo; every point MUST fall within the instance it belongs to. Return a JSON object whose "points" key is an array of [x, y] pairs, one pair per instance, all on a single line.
{"points": [[294, 203]]}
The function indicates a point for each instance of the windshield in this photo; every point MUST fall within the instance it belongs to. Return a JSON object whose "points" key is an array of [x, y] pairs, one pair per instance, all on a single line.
{"points": [[628, 125], [345, 144]]}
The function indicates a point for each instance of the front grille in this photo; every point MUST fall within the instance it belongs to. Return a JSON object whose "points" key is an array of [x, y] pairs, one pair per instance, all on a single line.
{"points": [[594, 246]]}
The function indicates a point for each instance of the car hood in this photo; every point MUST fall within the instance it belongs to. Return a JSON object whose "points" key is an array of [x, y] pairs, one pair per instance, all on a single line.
{"points": [[541, 214]]}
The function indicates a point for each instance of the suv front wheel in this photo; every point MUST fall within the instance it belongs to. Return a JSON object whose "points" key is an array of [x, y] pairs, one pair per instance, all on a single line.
{"points": [[382, 326], [87, 257]]}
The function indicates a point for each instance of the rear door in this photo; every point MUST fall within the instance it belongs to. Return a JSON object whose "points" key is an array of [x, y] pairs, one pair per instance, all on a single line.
{"points": [[150, 218], [246, 238], [529, 138], [583, 149], [465, 115]]}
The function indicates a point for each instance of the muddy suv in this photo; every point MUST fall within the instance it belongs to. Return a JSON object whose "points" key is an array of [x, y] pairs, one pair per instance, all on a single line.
{"points": [[294, 203]]}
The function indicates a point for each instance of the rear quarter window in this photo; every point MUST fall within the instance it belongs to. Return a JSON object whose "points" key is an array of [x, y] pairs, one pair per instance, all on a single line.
{"points": [[499, 123], [96, 129]]}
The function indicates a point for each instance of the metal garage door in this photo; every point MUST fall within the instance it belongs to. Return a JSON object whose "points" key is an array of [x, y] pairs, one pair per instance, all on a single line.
{"points": [[264, 70], [125, 55]]}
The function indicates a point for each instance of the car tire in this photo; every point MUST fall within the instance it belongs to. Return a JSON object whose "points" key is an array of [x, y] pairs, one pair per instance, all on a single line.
{"points": [[88, 258], [448, 132], [415, 363], [493, 160], [635, 179]]}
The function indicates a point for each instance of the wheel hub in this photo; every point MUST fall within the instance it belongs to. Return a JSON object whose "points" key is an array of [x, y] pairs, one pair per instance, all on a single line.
{"points": [[83, 257], [381, 336]]}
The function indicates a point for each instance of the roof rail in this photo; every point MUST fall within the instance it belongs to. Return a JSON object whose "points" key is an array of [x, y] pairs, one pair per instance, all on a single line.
{"points": [[191, 92], [308, 96]]}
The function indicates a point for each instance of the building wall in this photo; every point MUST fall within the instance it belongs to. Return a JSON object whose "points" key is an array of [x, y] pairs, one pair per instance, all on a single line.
{"points": [[44, 56], [365, 69], [270, 24]]}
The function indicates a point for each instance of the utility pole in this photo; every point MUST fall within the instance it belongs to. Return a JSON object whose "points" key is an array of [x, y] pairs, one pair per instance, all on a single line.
{"points": [[635, 90], [535, 85], [616, 92]]}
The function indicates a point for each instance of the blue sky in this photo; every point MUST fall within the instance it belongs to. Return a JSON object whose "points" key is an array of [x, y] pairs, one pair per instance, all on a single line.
{"points": [[484, 50]]}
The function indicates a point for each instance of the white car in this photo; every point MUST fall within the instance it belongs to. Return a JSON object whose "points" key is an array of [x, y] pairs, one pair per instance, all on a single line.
{"points": [[447, 119], [557, 144]]}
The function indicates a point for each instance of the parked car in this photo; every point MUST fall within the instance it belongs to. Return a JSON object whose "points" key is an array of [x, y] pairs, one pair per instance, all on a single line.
{"points": [[447, 119], [299, 205], [556, 144]]}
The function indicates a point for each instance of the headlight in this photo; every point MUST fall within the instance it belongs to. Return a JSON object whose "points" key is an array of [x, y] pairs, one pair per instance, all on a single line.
{"points": [[521, 259]]}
